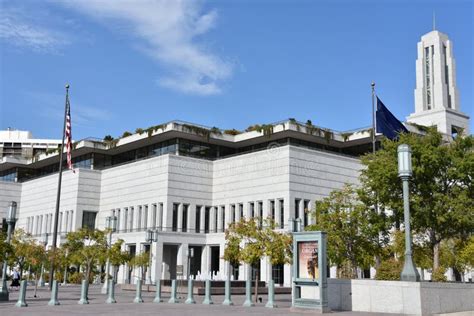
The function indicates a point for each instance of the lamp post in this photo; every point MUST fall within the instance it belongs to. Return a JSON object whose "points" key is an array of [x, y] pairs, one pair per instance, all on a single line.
{"points": [[11, 219], [111, 224], [190, 255], [151, 236], [409, 272], [44, 241]]}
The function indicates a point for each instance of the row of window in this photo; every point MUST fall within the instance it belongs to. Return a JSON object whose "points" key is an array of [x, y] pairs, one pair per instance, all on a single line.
{"points": [[139, 218], [43, 224]]}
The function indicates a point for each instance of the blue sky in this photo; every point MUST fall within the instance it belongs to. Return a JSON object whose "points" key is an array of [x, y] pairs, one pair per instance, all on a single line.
{"points": [[228, 64]]}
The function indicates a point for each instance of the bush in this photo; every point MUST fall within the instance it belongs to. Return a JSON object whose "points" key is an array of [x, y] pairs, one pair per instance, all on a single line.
{"points": [[438, 275], [77, 277], [389, 270]]}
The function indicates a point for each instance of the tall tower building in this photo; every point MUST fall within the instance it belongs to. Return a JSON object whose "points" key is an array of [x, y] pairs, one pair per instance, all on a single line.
{"points": [[436, 94]]}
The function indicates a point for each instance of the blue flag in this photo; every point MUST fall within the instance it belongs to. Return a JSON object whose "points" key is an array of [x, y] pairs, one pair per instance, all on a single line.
{"points": [[387, 123]]}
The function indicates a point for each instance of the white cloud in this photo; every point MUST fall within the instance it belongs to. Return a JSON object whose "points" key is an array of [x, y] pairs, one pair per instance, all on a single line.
{"points": [[170, 30], [19, 29]]}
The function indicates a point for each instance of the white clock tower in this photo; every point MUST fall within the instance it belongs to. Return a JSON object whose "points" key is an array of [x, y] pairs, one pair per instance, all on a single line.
{"points": [[436, 94]]}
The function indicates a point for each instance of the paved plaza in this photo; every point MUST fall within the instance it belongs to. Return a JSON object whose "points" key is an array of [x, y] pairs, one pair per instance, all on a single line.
{"points": [[69, 296]]}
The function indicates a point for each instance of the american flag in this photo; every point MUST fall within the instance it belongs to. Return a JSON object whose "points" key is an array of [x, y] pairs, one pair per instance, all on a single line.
{"points": [[68, 134]]}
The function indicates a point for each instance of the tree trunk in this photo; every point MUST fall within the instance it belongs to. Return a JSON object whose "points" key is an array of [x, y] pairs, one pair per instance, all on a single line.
{"points": [[256, 285], [36, 285], [436, 256]]}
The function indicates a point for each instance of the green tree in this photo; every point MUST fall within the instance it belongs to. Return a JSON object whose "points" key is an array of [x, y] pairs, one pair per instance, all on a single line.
{"points": [[86, 247], [141, 261], [21, 246], [441, 188], [5, 248], [117, 257], [248, 242], [353, 235]]}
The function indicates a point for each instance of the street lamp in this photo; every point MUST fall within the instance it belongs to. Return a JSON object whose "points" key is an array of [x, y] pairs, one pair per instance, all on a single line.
{"points": [[44, 241], [111, 224], [11, 219], [409, 272], [190, 255], [151, 236]]}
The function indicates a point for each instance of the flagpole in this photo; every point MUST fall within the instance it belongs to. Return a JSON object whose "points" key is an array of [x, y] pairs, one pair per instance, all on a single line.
{"points": [[58, 197], [373, 117]]}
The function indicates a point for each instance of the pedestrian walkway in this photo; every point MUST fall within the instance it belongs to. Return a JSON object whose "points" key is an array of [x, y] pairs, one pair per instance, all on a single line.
{"points": [[70, 295]]}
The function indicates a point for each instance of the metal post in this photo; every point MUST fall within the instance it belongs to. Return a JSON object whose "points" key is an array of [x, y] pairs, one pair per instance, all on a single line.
{"points": [[227, 300], [111, 291], [271, 295], [58, 196], [84, 300], [11, 219], [190, 299], [21, 298], [105, 288], [409, 272], [54, 294], [173, 299], [138, 296], [373, 117], [207, 297], [158, 298], [248, 293]]}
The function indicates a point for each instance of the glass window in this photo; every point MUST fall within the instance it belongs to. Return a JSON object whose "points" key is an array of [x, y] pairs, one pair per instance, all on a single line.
{"points": [[174, 226], [185, 218], [88, 219], [198, 219]]}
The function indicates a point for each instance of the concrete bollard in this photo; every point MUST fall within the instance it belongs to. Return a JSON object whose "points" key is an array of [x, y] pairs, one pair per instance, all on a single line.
{"points": [[173, 299], [227, 300], [190, 299], [158, 298], [207, 297], [271, 295], [138, 297], [54, 294], [248, 294], [111, 298], [84, 300], [22, 295]]}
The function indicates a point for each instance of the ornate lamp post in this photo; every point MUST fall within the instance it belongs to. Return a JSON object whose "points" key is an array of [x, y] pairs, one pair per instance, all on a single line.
{"points": [[11, 219], [111, 224], [44, 241], [409, 272], [151, 236]]}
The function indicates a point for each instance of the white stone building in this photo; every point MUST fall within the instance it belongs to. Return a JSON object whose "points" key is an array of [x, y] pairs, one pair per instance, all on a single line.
{"points": [[189, 182]]}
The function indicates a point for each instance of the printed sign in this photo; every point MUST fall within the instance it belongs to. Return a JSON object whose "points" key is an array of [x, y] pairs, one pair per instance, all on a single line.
{"points": [[308, 266]]}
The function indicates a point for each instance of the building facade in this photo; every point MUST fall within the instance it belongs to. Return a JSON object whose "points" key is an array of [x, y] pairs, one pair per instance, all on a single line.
{"points": [[188, 182]]}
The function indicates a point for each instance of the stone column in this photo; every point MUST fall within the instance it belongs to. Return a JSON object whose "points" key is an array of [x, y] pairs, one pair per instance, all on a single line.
{"points": [[205, 259], [182, 259], [220, 227], [191, 218], [228, 216], [180, 217], [277, 213], [203, 219], [167, 216], [158, 261]]}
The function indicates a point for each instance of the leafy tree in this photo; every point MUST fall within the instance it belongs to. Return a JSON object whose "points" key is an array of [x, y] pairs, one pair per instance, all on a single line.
{"points": [[353, 237], [141, 261], [5, 248], [441, 188], [117, 257], [86, 247], [21, 245], [466, 255], [248, 242]]}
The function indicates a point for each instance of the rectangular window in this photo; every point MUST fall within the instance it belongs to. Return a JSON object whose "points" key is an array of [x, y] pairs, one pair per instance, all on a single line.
{"points": [[118, 220], [145, 216], [241, 211], [252, 210], [160, 216], [198, 219], [297, 208], [282, 214], [125, 219], [216, 219], [174, 226], [272, 209], [223, 217], [88, 219], [131, 213], [139, 218], [185, 218], [260, 212], [207, 212], [232, 213], [153, 216]]}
